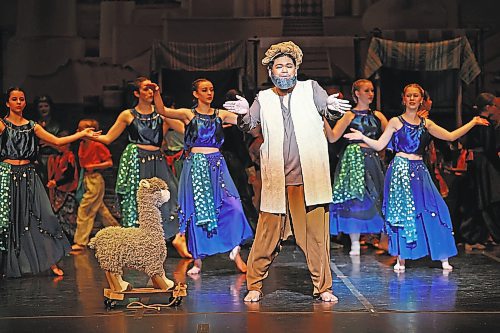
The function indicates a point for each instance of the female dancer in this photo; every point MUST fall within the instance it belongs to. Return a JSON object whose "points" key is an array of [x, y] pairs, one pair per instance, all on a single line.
{"points": [[31, 238], [417, 220], [359, 177], [210, 209], [142, 158]]}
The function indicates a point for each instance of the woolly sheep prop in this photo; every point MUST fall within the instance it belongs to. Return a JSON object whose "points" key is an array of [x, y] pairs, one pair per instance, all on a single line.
{"points": [[141, 248]]}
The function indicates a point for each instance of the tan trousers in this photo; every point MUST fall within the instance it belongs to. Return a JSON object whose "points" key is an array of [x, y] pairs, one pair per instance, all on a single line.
{"points": [[311, 228], [92, 204]]}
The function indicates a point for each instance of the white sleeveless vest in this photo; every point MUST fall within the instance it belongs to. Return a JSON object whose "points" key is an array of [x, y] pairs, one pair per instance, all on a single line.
{"points": [[312, 144]]}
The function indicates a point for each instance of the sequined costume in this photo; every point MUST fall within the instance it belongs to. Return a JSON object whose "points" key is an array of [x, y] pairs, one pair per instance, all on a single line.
{"points": [[417, 219], [137, 163], [358, 182], [31, 238], [210, 209]]}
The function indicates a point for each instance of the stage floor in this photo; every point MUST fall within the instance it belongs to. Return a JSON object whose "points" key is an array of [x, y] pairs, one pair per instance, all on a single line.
{"points": [[372, 297]]}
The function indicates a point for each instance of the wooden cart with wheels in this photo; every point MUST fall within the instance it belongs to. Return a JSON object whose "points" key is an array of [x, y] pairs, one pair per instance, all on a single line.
{"points": [[114, 298]]}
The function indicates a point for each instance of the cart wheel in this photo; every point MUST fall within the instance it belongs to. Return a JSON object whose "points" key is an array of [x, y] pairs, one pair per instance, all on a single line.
{"points": [[178, 301], [109, 303]]}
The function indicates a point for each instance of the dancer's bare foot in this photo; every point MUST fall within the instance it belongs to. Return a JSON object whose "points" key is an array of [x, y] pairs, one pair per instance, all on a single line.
{"points": [[56, 270], [240, 264], [400, 266], [471, 247], [196, 269], [180, 245], [235, 256], [355, 249], [446, 265], [328, 296], [78, 247], [253, 296], [181, 270]]}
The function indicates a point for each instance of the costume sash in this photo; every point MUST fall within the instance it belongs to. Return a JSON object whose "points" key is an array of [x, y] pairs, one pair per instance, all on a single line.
{"points": [[203, 193], [6, 203], [400, 204], [350, 181], [127, 184]]}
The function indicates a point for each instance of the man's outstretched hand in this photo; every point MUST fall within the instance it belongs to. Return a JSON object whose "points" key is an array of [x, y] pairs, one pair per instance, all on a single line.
{"points": [[336, 104], [239, 106]]}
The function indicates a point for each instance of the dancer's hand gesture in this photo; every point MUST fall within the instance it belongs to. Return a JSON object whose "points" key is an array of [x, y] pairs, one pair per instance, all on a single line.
{"points": [[354, 135], [480, 121], [89, 133]]}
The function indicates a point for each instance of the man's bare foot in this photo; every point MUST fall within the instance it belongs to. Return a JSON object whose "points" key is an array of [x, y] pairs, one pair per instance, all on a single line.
{"points": [[328, 296], [253, 296], [180, 245], [56, 270]]}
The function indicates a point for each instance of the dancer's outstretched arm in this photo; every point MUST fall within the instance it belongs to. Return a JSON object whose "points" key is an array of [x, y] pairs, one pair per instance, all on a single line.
{"points": [[443, 134], [381, 143]]}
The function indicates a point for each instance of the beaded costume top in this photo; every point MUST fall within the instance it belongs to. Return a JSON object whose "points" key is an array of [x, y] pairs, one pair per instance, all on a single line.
{"points": [[367, 123], [146, 129], [18, 142], [204, 130], [410, 139]]}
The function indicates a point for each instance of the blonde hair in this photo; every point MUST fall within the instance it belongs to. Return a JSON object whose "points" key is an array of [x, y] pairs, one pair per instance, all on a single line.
{"points": [[356, 86], [414, 85]]}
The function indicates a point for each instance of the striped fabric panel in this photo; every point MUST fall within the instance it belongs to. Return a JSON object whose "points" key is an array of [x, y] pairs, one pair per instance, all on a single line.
{"points": [[198, 57], [434, 56]]}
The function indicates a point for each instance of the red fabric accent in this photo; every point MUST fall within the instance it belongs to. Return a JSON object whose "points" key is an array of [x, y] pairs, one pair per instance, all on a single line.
{"points": [[172, 158], [443, 187], [56, 166], [92, 152]]}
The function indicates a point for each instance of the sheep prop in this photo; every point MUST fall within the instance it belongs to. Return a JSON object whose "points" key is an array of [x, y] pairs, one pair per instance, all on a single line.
{"points": [[141, 248]]}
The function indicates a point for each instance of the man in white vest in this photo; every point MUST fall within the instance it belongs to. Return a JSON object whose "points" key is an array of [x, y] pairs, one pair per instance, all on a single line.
{"points": [[296, 187]]}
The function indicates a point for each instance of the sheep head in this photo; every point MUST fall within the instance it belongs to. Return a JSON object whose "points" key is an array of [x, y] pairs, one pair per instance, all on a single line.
{"points": [[153, 191]]}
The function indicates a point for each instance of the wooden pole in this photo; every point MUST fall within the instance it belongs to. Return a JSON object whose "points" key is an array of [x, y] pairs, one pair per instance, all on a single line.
{"points": [[458, 108]]}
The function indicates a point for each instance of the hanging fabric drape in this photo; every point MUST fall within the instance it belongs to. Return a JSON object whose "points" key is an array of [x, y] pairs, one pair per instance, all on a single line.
{"points": [[434, 56], [198, 57]]}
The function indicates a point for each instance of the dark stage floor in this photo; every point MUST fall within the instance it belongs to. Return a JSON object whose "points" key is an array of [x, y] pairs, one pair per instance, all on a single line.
{"points": [[372, 298]]}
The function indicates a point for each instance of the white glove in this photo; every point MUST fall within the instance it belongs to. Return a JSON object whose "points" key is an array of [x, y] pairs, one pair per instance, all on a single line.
{"points": [[335, 104], [239, 107]]}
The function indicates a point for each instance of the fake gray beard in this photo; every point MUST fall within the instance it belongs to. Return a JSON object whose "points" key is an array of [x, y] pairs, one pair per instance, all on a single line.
{"points": [[283, 82]]}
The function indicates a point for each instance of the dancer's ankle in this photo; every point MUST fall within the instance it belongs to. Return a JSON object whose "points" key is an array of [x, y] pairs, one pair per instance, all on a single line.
{"points": [[196, 269], [56, 270], [446, 265], [180, 244], [355, 249], [234, 252]]}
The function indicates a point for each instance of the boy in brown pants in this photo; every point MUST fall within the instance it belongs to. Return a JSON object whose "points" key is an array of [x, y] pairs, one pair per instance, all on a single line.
{"points": [[94, 156]]}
